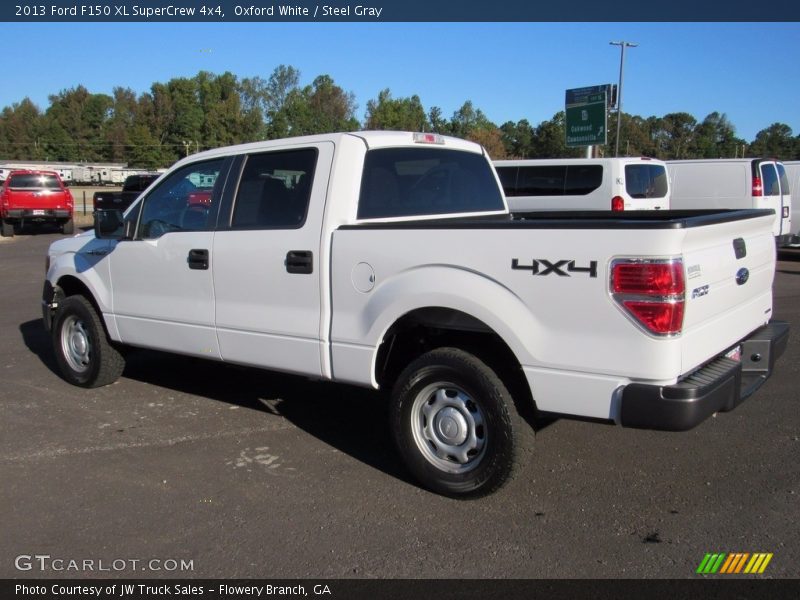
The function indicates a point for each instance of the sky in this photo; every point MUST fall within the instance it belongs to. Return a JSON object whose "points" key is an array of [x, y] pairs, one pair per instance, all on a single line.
{"points": [[510, 71]]}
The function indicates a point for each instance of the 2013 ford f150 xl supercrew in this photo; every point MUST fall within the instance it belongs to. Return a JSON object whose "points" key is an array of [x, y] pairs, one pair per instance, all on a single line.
{"points": [[389, 260]]}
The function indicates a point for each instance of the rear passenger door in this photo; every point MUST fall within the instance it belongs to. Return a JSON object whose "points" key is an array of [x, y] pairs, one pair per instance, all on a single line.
{"points": [[267, 260]]}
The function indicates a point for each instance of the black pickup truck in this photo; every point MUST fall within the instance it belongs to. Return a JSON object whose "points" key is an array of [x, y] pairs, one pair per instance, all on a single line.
{"points": [[133, 186]]}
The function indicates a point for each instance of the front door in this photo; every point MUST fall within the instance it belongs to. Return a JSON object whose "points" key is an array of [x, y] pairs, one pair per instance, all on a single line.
{"points": [[162, 286]]}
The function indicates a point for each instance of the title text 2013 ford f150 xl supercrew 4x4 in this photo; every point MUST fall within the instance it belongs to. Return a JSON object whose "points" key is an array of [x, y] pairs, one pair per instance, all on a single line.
{"points": [[389, 260]]}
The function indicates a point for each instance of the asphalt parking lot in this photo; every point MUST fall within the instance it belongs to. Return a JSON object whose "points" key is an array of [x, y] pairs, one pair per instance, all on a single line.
{"points": [[245, 474]]}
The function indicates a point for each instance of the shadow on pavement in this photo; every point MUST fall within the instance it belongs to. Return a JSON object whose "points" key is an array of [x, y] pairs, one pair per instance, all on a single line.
{"points": [[37, 340], [351, 419]]}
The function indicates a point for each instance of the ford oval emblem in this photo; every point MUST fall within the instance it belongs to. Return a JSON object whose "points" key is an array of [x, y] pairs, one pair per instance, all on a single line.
{"points": [[742, 275]]}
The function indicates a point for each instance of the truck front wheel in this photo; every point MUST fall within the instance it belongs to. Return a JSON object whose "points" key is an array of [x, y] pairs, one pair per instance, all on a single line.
{"points": [[455, 424], [83, 351], [6, 229]]}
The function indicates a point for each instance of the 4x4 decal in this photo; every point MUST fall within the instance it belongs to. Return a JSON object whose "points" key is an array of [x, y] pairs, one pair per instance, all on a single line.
{"points": [[543, 267]]}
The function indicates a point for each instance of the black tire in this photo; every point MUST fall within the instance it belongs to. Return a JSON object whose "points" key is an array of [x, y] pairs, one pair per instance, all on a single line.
{"points": [[455, 424], [68, 228], [83, 351], [7, 229]]}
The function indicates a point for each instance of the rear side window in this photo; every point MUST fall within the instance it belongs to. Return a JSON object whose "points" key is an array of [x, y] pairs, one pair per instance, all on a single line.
{"points": [[769, 179], [646, 181], [34, 181], [555, 180], [583, 179], [274, 190], [402, 182], [508, 179], [541, 181]]}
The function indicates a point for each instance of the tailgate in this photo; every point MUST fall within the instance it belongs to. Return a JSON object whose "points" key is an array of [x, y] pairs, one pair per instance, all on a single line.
{"points": [[729, 269], [37, 199]]}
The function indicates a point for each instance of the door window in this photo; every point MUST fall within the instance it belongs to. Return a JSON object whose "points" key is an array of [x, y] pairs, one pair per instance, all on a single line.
{"points": [[769, 179], [274, 190], [184, 201], [646, 181]]}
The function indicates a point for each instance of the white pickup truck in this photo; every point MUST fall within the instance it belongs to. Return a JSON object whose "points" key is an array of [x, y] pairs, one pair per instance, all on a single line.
{"points": [[389, 260]]}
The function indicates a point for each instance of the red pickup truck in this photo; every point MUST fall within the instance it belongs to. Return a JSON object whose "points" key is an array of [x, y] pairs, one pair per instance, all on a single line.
{"points": [[35, 197]]}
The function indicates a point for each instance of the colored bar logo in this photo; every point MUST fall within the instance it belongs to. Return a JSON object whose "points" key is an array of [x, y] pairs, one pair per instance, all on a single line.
{"points": [[734, 563]]}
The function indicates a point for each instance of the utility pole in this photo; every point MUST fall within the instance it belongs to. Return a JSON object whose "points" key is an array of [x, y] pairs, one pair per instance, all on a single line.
{"points": [[622, 45]]}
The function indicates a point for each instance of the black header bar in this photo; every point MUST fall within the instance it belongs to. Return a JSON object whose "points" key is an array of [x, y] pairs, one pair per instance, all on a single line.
{"points": [[371, 11]]}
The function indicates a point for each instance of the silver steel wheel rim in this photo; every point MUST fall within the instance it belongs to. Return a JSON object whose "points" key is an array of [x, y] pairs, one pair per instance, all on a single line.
{"points": [[75, 344], [449, 427]]}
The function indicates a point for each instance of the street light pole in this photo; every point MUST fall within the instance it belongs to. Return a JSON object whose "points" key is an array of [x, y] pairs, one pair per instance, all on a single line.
{"points": [[622, 45]]}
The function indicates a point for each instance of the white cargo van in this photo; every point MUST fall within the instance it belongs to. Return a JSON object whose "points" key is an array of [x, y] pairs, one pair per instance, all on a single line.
{"points": [[793, 175], [578, 184], [734, 183]]}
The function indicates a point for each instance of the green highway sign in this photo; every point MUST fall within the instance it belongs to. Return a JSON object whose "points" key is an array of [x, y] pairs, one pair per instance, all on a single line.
{"points": [[587, 116]]}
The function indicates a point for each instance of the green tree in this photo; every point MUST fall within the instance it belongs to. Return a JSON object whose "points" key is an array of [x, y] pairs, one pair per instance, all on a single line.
{"points": [[715, 137], [438, 123], [21, 127], [679, 130], [322, 107], [776, 141], [281, 83], [117, 127], [550, 139], [518, 138], [75, 122], [466, 119], [398, 114], [185, 120]]}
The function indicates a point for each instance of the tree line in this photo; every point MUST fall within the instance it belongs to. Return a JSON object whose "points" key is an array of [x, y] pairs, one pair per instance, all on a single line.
{"points": [[186, 115]]}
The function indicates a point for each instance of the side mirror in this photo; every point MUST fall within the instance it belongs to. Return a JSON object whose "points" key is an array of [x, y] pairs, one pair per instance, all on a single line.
{"points": [[109, 225]]}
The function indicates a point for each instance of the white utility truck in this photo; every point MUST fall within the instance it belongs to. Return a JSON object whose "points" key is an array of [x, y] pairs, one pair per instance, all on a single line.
{"points": [[389, 260]]}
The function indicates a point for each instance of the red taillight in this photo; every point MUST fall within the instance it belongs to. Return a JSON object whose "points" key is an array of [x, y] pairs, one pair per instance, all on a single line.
{"points": [[651, 292], [652, 279], [662, 318], [617, 204], [758, 189]]}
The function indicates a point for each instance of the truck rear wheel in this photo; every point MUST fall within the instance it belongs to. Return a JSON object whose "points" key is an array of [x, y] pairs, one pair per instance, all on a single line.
{"points": [[455, 424], [83, 351], [7, 229], [68, 227]]}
